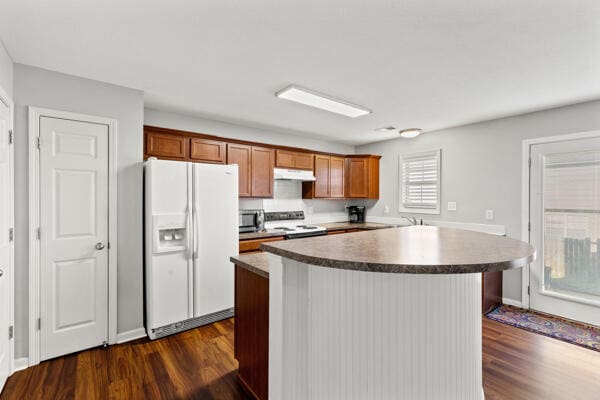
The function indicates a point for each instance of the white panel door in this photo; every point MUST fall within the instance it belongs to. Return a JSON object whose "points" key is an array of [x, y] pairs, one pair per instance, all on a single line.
{"points": [[5, 244], [216, 236], [565, 228], [74, 235]]}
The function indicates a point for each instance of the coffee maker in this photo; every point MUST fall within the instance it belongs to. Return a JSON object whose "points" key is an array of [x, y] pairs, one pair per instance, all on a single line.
{"points": [[356, 214]]}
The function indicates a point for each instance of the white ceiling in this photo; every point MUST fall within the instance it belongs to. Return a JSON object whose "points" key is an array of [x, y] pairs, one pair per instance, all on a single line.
{"points": [[415, 63]]}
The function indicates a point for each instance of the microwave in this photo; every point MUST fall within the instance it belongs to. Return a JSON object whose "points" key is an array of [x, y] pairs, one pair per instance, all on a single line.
{"points": [[251, 220]]}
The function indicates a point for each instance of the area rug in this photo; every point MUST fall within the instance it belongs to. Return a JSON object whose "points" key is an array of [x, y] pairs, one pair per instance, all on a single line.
{"points": [[568, 331]]}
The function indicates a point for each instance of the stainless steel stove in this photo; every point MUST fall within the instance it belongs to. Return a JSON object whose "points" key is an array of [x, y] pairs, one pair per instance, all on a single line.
{"points": [[291, 223]]}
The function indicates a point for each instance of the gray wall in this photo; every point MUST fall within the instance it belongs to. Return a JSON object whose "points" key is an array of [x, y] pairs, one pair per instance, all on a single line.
{"points": [[481, 167], [6, 71], [42, 88], [211, 127]]}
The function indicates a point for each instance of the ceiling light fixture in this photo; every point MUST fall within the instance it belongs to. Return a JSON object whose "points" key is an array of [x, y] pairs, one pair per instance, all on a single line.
{"points": [[317, 100], [386, 129], [410, 132]]}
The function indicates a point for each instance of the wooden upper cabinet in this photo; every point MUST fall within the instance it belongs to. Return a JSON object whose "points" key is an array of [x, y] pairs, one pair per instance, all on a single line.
{"points": [[285, 159], [336, 177], [241, 155], [293, 159], [330, 174], [263, 162], [353, 176], [322, 173], [304, 161], [358, 177], [206, 150], [362, 181], [166, 145]]}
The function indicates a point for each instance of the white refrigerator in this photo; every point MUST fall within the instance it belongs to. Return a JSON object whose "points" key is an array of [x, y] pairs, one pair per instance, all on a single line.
{"points": [[191, 230]]}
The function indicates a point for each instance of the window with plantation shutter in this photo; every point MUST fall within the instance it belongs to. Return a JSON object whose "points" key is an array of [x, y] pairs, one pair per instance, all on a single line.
{"points": [[420, 182]]}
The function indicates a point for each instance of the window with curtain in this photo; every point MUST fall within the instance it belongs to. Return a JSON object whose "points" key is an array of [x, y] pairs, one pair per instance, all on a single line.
{"points": [[420, 182]]}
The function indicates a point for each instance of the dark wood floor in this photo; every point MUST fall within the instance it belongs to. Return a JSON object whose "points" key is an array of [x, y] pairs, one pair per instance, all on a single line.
{"points": [[199, 364]]}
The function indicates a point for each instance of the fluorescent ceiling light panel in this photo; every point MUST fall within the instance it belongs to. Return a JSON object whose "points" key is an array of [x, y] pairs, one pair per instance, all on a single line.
{"points": [[317, 100]]}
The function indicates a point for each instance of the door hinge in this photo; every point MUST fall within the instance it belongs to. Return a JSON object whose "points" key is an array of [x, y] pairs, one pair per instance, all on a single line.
{"points": [[39, 233], [11, 136], [11, 234], [11, 332], [528, 290], [529, 162], [39, 142], [39, 324], [529, 227]]}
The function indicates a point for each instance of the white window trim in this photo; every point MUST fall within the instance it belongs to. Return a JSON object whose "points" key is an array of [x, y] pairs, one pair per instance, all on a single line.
{"points": [[437, 209]]}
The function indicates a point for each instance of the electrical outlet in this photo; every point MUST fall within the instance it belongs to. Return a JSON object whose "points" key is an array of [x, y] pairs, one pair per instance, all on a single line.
{"points": [[451, 206], [489, 215], [311, 210], [386, 209]]}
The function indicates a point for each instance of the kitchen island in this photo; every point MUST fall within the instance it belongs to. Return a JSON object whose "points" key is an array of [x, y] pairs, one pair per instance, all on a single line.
{"points": [[386, 314]]}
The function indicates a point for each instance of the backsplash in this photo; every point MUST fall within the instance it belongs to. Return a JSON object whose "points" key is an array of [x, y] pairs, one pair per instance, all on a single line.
{"points": [[288, 197]]}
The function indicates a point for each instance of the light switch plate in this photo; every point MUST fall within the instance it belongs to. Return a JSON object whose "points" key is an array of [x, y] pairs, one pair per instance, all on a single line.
{"points": [[451, 206], [489, 215]]}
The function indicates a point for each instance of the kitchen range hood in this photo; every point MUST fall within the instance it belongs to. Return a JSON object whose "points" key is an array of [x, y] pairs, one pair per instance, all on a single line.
{"points": [[294, 175]]}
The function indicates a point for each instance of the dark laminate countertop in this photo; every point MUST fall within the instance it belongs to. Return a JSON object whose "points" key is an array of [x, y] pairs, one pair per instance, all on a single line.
{"points": [[411, 249], [255, 262], [261, 234], [333, 226]]}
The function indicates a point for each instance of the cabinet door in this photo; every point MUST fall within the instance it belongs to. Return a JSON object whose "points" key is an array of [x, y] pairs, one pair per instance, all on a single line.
{"points": [[336, 180], [166, 145], [322, 173], [253, 245], [242, 156], [358, 177], [304, 161], [207, 150], [285, 159], [263, 162]]}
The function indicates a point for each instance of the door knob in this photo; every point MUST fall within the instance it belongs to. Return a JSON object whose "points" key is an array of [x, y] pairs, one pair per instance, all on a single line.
{"points": [[1, 273], [99, 246]]}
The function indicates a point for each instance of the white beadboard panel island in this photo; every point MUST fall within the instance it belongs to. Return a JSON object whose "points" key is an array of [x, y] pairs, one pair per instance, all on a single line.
{"points": [[387, 314]]}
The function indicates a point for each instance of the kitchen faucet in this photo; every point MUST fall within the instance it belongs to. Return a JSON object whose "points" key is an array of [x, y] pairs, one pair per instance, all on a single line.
{"points": [[413, 220]]}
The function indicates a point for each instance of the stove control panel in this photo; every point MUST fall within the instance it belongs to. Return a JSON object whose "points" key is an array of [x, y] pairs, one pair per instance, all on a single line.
{"points": [[284, 215]]}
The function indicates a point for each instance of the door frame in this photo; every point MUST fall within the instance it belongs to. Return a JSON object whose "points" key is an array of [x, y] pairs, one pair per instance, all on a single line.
{"points": [[526, 198], [6, 99], [34, 114]]}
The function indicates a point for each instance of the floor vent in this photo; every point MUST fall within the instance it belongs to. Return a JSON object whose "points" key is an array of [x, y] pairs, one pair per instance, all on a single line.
{"points": [[191, 323]]}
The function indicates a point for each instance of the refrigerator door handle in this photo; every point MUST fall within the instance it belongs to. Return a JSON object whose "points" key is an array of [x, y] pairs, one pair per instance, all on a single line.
{"points": [[195, 230], [188, 230]]}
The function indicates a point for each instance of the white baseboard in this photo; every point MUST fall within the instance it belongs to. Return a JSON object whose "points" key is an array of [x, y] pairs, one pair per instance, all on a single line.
{"points": [[21, 363], [131, 335], [511, 302]]}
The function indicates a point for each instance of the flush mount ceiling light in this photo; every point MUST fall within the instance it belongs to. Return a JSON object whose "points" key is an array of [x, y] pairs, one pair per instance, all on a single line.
{"points": [[318, 100], [386, 129], [410, 133]]}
